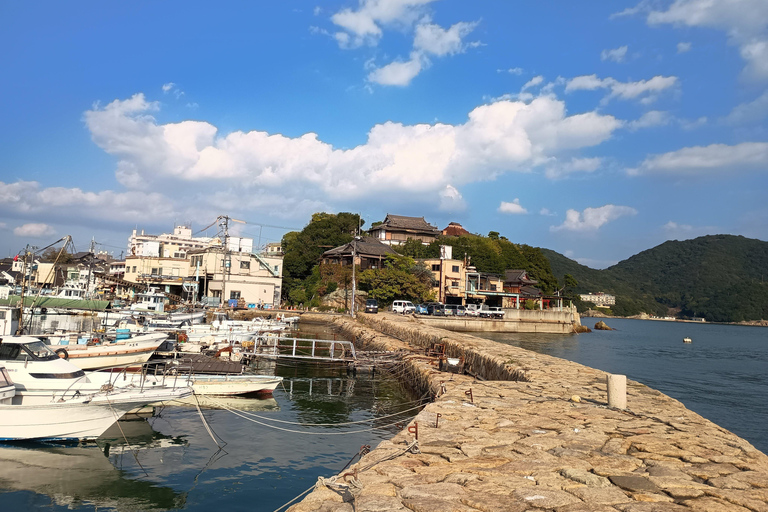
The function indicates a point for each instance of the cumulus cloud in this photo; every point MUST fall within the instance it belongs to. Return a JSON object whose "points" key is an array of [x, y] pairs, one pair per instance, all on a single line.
{"points": [[513, 208], [616, 55], [435, 40], [592, 219], [750, 112], [713, 159], [504, 136], [683, 47], [34, 230], [364, 25], [556, 169], [645, 90], [451, 200], [744, 21], [650, 119], [397, 72], [533, 82]]}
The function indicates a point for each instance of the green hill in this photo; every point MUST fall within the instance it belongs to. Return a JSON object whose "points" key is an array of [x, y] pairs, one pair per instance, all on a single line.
{"points": [[722, 278]]}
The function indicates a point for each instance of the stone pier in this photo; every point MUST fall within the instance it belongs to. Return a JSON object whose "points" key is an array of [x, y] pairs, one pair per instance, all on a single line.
{"points": [[528, 432]]}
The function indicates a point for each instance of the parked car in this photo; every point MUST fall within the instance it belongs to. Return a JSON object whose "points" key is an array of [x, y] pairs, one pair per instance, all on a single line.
{"points": [[421, 309], [457, 309], [403, 306], [436, 309], [371, 306]]}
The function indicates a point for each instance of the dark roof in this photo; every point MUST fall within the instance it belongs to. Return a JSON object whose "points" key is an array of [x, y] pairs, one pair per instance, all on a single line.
{"points": [[406, 223], [455, 229], [366, 246], [518, 276], [530, 291]]}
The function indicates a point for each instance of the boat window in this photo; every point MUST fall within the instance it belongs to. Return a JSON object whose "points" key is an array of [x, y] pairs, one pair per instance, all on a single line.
{"points": [[9, 351], [5, 380], [40, 350]]}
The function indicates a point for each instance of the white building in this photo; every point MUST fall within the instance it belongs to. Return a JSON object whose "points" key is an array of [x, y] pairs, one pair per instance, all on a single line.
{"points": [[600, 299]]}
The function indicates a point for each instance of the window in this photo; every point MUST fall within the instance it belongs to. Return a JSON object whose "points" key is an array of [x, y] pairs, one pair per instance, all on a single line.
{"points": [[455, 269], [455, 284], [493, 287], [234, 295], [246, 265], [134, 269], [435, 268], [155, 272]]}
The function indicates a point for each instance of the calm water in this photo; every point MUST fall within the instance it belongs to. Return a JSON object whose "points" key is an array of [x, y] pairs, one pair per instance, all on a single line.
{"points": [[170, 462], [722, 375]]}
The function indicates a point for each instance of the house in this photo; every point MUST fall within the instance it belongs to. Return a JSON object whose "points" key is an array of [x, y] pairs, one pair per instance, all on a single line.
{"points": [[454, 229], [460, 283], [398, 229], [599, 299], [367, 252]]}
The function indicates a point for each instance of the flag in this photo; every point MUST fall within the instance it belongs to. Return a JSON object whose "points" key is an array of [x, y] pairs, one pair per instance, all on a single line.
{"points": [[16, 258]]}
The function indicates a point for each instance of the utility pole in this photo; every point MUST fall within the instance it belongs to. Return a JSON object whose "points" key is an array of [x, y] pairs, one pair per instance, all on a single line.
{"points": [[354, 284], [20, 328]]}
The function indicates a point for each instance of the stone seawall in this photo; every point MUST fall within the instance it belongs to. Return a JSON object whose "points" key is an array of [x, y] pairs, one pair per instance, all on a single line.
{"points": [[548, 321], [533, 432]]}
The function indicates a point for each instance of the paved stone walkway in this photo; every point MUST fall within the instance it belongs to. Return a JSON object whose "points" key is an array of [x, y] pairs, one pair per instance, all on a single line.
{"points": [[543, 441]]}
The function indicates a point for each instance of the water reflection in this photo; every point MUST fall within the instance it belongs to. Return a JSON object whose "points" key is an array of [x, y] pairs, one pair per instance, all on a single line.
{"points": [[86, 475]]}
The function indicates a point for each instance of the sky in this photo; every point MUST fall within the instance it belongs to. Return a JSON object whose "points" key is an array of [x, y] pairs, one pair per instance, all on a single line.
{"points": [[595, 129]]}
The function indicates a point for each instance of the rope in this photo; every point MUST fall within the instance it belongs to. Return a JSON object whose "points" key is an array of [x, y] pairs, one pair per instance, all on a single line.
{"points": [[205, 423], [130, 448]]}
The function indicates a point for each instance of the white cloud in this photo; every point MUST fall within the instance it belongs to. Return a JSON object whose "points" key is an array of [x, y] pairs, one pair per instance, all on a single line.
{"points": [[533, 82], [512, 208], [556, 169], [34, 230], [514, 71], [171, 87], [673, 230], [616, 55], [417, 162], [592, 219], [683, 47], [397, 73], [435, 40], [546, 212], [751, 112], [646, 90], [168, 87], [650, 119], [745, 22], [451, 200], [714, 158], [363, 26]]}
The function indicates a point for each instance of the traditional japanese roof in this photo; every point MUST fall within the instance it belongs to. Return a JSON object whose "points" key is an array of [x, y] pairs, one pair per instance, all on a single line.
{"points": [[455, 229], [530, 291], [402, 223], [365, 246], [517, 276]]}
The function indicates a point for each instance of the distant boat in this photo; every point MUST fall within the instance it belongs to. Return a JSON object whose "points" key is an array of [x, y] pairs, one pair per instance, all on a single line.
{"points": [[687, 340]]}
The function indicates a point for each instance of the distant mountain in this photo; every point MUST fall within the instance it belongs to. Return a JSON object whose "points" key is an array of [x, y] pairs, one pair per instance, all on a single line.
{"points": [[722, 278]]}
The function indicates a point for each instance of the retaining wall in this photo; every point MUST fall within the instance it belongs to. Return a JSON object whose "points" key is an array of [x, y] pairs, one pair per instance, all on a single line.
{"points": [[537, 435]]}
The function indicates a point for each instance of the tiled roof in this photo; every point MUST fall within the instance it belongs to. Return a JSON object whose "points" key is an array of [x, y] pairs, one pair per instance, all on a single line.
{"points": [[409, 223], [455, 229], [366, 246], [518, 276]]}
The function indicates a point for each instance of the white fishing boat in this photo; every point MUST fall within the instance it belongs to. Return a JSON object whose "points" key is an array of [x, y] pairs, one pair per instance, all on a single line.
{"points": [[94, 352], [150, 300], [231, 385], [69, 416]]}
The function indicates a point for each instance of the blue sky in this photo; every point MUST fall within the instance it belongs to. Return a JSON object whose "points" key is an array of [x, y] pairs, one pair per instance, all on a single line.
{"points": [[596, 129]]}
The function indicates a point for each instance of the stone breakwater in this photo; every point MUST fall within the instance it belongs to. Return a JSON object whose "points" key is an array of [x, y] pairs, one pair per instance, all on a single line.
{"points": [[533, 432]]}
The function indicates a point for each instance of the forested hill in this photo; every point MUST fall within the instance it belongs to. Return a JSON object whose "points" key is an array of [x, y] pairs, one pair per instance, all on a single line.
{"points": [[722, 278]]}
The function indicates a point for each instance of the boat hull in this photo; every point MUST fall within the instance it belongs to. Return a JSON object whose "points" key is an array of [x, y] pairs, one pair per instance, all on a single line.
{"points": [[232, 385]]}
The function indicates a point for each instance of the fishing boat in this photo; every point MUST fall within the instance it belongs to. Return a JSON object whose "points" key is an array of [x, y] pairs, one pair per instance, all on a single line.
{"points": [[95, 352], [231, 385], [687, 340], [69, 416]]}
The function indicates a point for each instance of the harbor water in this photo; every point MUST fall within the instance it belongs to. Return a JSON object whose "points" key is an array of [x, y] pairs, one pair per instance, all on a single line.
{"points": [[273, 450], [722, 374]]}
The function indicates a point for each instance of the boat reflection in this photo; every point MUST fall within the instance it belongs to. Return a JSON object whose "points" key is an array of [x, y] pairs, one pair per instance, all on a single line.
{"points": [[239, 403], [81, 476]]}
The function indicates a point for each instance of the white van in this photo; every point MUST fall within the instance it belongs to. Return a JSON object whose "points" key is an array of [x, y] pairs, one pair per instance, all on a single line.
{"points": [[403, 306]]}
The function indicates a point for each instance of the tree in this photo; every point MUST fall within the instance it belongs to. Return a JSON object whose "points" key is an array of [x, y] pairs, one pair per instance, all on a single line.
{"points": [[401, 278]]}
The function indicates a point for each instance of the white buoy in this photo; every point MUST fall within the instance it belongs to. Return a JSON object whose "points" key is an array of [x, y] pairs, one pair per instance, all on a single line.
{"points": [[617, 391]]}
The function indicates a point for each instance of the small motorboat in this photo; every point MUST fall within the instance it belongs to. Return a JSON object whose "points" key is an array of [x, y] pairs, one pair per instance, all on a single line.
{"points": [[687, 340]]}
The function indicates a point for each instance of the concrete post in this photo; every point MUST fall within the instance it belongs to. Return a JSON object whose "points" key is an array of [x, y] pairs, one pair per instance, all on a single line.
{"points": [[617, 391]]}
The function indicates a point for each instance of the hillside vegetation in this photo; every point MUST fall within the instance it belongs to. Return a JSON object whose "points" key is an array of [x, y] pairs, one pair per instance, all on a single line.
{"points": [[722, 278]]}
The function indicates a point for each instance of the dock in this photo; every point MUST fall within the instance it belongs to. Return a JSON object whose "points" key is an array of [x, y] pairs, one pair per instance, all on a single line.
{"points": [[519, 431]]}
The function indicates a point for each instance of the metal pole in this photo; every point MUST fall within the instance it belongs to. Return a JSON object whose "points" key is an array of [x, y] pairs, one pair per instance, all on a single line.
{"points": [[354, 286]]}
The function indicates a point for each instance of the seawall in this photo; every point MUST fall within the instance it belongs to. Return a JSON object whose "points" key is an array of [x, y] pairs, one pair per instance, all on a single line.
{"points": [[533, 432], [547, 321]]}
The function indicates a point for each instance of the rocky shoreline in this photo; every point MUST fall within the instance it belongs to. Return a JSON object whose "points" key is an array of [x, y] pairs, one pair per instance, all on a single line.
{"points": [[525, 431]]}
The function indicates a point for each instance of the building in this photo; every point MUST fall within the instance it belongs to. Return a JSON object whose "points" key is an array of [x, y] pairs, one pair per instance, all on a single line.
{"points": [[599, 299], [454, 229], [398, 229], [459, 283], [168, 245], [367, 252]]}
